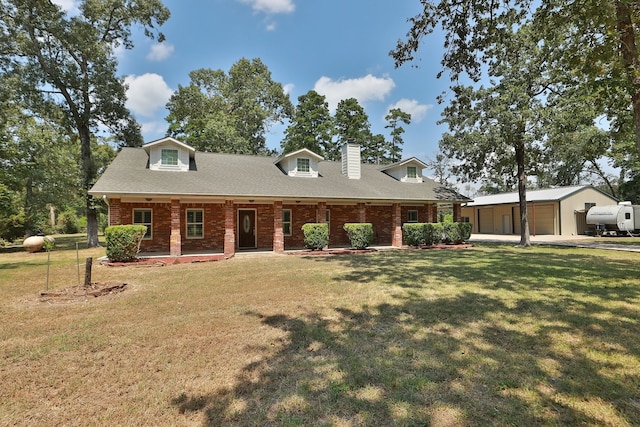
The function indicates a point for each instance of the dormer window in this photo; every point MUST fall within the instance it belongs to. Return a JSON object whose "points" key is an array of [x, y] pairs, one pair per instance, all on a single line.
{"points": [[412, 172], [169, 157], [168, 154], [303, 165]]}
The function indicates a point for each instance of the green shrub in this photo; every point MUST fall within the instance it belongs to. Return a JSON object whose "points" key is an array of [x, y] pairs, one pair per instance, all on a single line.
{"points": [[457, 232], [413, 234], [433, 233], [102, 222], [446, 217], [360, 234], [123, 241], [465, 230], [316, 235], [451, 232], [13, 226], [82, 224], [68, 222]]}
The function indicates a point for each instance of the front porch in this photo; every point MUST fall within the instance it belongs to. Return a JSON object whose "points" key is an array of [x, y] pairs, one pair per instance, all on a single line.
{"points": [[189, 228]]}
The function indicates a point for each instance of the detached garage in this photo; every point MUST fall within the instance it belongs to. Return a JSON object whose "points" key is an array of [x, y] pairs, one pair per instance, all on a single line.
{"points": [[559, 211]]}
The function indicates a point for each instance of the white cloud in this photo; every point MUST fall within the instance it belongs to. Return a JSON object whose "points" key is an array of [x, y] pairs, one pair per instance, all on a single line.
{"points": [[154, 130], [271, 7], [147, 93], [160, 51], [288, 88], [70, 6], [367, 88], [418, 111]]}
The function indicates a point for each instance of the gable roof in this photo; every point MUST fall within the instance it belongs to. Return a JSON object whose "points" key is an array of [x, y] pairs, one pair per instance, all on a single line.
{"points": [[147, 147], [404, 162], [232, 175], [299, 153], [544, 195]]}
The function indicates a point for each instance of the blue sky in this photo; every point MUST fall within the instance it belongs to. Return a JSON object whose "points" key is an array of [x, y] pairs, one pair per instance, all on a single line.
{"points": [[337, 47]]}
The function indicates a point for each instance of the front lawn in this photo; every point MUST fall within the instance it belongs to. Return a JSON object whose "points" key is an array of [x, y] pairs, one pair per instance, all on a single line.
{"points": [[491, 335]]}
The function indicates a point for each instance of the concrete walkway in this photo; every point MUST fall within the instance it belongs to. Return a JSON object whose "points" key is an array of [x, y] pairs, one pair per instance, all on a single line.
{"points": [[579, 241]]}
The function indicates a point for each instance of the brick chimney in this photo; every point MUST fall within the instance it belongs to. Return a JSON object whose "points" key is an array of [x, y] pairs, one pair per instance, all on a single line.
{"points": [[351, 160]]}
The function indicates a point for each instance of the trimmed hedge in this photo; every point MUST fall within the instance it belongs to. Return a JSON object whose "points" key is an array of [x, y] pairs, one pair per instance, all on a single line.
{"points": [[465, 230], [123, 241], [360, 234], [316, 235], [433, 233], [428, 234], [413, 233]]}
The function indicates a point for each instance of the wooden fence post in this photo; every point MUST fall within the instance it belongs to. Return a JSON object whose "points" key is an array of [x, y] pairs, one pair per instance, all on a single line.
{"points": [[87, 271]]}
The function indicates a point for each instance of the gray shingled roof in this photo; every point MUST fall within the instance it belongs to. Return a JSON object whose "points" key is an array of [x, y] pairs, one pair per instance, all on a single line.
{"points": [[231, 175]]}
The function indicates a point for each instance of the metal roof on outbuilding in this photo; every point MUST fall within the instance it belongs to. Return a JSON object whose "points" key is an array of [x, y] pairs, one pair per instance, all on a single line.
{"points": [[544, 195]]}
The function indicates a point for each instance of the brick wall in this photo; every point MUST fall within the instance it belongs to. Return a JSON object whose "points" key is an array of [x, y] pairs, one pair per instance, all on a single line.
{"points": [[424, 213], [161, 224], [114, 212], [340, 215], [380, 217], [213, 228], [214, 223], [300, 215]]}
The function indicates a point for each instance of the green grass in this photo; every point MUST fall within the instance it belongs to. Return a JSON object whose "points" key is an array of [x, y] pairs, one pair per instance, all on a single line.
{"points": [[489, 336]]}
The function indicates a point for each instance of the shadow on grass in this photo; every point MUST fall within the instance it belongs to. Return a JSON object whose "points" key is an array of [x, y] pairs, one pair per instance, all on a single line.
{"points": [[536, 338]]}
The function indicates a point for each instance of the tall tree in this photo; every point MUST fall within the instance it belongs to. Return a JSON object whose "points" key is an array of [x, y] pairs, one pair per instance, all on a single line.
{"points": [[599, 41], [230, 113], [496, 132], [352, 124], [376, 150], [394, 118], [68, 63], [441, 167], [311, 126]]}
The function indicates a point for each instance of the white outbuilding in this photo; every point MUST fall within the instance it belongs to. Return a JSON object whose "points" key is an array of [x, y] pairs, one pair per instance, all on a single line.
{"points": [[556, 211]]}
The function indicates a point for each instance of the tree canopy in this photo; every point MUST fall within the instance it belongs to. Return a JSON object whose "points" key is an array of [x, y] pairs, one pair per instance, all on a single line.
{"points": [[228, 112], [311, 126], [594, 46], [67, 65]]}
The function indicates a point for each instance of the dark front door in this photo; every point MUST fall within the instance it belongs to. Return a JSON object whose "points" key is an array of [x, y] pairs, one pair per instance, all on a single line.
{"points": [[246, 229]]}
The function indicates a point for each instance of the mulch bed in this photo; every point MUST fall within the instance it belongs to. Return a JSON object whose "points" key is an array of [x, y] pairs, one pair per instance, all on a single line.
{"points": [[347, 251], [81, 292], [162, 261]]}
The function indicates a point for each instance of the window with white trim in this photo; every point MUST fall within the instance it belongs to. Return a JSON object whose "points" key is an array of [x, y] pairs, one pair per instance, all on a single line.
{"points": [[412, 216], [144, 217], [286, 222], [195, 223], [169, 157], [303, 165], [412, 172]]}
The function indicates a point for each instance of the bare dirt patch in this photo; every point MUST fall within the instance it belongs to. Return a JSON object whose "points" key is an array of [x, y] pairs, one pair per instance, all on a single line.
{"points": [[81, 292], [163, 261]]}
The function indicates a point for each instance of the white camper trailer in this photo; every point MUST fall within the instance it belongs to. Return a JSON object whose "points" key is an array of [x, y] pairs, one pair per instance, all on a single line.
{"points": [[620, 219]]}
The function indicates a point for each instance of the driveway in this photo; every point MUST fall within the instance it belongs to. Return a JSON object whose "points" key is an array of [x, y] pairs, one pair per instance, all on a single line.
{"points": [[578, 241]]}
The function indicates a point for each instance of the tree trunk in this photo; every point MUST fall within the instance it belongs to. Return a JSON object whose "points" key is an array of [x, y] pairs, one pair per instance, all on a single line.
{"points": [[631, 60], [88, 176], [525, 240]]}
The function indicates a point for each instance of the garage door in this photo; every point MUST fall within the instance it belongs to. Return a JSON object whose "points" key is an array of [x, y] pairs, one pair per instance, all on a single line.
{"points": [[544, 219], [485, 220]]}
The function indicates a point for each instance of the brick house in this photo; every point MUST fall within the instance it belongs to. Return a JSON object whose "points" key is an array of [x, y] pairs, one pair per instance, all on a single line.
{"points": [[211, 202]]}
